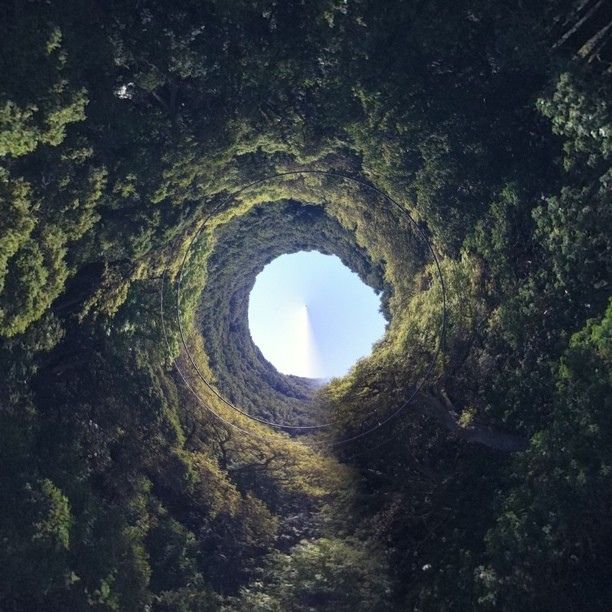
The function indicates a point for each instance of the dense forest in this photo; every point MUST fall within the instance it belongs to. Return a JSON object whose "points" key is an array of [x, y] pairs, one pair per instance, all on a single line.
{"points": [[155, 155], [246, 245]]}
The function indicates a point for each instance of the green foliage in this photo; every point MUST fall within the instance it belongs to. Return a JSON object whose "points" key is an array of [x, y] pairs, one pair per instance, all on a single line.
{"points": [[39, 117], [124, 126], [564, 477], [582, 118], [35, 531], [42, 211], [325, 574]]}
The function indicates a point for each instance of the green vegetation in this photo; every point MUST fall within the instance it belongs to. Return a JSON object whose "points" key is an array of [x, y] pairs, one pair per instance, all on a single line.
{"points": [[127, 132], [248, 244]]}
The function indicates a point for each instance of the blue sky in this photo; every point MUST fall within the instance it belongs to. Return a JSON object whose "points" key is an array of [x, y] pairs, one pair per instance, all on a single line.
{"points": [[311, 316]]}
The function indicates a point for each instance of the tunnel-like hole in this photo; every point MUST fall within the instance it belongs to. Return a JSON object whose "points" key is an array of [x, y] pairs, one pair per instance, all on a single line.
{"points": [[311, 316], [249, 377]]}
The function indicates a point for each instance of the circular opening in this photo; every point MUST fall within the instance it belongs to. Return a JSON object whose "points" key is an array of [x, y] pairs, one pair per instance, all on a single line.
{"points": [[312, 317]]}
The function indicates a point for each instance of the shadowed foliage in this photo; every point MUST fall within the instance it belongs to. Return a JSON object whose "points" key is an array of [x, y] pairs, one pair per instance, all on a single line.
{"points": [[128, 133]]}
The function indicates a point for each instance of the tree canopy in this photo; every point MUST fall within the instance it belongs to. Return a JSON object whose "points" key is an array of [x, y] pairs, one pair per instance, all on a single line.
{"points": [[154, 156]]}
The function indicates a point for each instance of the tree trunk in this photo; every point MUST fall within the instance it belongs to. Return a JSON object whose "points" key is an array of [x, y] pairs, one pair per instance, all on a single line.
{"points": [[577, 25], [442, 409]]}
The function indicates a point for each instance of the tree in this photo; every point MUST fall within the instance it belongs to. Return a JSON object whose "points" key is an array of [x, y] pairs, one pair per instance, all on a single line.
{"points": [[324, 574]]}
